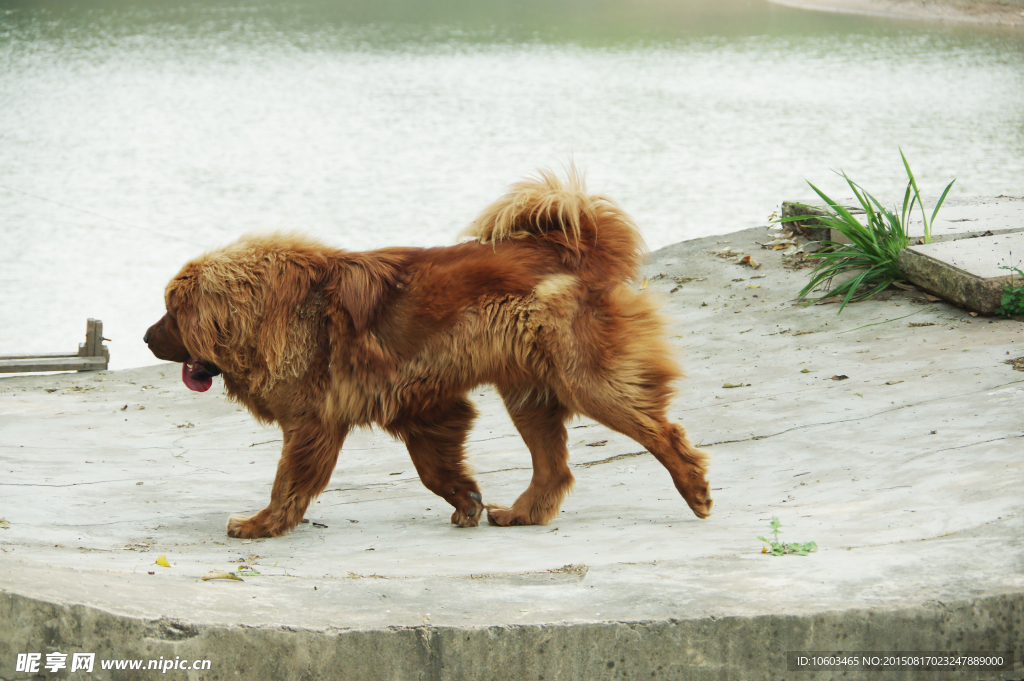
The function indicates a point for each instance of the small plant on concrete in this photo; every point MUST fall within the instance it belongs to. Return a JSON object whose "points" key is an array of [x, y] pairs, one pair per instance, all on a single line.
{"points": [[1012, 302], [872, 257], [777, 548]]}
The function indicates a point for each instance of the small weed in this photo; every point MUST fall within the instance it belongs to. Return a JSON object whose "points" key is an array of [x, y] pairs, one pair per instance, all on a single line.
{"points": [[1012, 303], [247, 571], [777, 548]]}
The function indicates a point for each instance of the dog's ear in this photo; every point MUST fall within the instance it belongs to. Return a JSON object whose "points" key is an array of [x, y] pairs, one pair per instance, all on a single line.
{"points": [[364, 285]]}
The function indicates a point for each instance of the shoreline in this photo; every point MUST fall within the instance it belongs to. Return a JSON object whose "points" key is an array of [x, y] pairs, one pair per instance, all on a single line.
{"points": [[1010, 14]]}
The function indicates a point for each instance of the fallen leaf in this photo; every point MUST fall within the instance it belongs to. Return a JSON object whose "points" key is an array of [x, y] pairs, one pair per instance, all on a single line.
{"points": [[644, 284], [749, 262], [840, 377], [599, 443], [919, 324], [753, 286], [736, 385], [4, 524], [805, 371], [162, 560], [892, 382], [222, 575], [973, 314]]}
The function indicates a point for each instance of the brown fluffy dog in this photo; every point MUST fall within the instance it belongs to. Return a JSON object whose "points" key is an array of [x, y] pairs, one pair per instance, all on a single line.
{"points": [[320, 340]]}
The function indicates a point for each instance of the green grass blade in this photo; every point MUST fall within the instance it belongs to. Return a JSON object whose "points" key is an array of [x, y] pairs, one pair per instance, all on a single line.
{"points": [[848, 220], [907, 206], [854, 284], [917, 195], [941, 199]]}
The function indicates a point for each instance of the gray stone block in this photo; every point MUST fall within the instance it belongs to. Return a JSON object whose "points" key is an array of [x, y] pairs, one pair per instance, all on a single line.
{"points": [[966, 272]]}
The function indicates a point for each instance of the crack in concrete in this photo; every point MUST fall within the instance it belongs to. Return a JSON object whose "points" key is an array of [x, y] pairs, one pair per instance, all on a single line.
{"points": [[859, 418], [1001, 519], [947, 449], [70, 484], [617, 457]]}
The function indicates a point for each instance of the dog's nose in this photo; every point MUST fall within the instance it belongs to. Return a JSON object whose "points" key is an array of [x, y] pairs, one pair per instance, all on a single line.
{"points": [[145, 339]]}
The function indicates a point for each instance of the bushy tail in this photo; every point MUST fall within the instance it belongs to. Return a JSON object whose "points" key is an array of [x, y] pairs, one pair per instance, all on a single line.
{"points": [[592, 233]]}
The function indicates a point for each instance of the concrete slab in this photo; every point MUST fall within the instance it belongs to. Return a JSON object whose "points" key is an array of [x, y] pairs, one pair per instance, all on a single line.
{"points": [[890, 436], [967, 272], [961, 217]]}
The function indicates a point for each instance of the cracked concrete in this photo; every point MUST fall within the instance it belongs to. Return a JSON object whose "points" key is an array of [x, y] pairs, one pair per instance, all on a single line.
{"points": [[890, 435]]}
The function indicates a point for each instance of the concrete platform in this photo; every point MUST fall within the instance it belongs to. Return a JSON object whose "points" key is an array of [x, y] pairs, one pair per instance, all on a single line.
{"points": [[890, 435], [968, 272]]}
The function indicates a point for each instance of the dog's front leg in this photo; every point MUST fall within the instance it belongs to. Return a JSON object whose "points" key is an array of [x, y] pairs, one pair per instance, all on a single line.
{"points": [[307, 461], [436, 442]]}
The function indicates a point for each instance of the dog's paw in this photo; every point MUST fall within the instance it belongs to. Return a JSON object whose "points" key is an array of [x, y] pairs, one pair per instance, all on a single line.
{"points": [[236, 525], [244, 527], [471, 516], [702, 509], [507, 517]]}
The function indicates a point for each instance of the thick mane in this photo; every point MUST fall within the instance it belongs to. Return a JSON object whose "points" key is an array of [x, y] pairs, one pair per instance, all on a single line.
{"points": [[248, 306]]}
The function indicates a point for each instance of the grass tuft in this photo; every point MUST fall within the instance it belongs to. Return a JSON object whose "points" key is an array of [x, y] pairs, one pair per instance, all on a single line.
{"points": [[872, 257]]}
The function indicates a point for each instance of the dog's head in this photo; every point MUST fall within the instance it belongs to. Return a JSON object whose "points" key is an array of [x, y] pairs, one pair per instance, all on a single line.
{"points": [[166, 340], [257, 310]]}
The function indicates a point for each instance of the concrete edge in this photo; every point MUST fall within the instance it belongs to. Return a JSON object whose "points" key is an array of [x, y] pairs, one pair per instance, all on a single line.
{"points": [[747, 648], [957, 286]]}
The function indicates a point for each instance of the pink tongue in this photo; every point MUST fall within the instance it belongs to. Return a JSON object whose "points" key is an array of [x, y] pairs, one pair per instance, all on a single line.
{"points": [[186, 376]]}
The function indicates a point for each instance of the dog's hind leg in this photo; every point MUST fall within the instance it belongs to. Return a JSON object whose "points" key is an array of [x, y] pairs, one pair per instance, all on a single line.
{"points": [[631, 398], [307, 462], [540, 418], [436, 441]]}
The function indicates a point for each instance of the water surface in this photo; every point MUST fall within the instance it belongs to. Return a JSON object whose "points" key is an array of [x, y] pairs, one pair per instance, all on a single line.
{"points": [[133, 136]]}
